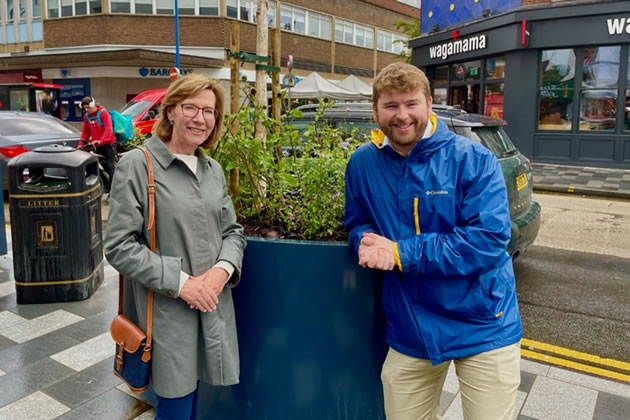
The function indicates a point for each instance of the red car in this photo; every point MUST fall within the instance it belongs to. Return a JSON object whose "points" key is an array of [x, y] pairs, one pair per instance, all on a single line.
{"points": [[143, 109]]}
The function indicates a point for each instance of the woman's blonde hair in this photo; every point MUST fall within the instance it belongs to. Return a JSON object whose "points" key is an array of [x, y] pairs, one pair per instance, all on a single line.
{"points": [[400, 77], [181, 89]]}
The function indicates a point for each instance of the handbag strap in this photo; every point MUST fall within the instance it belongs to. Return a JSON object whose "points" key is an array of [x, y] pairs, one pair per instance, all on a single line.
{"points": [[151, 229]]}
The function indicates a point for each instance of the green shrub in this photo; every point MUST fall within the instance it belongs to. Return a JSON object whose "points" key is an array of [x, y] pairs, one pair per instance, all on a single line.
{"points": [[291, 186]]}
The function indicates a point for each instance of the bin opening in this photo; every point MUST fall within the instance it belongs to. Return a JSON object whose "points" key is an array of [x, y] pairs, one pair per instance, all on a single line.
{"points": [[49, 179]]}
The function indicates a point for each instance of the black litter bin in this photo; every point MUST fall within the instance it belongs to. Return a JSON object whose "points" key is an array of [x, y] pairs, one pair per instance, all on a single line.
{"points": [[56, 229]]}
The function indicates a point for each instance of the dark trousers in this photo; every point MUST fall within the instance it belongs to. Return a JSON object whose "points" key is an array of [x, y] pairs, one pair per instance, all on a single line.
{"points": [[182, 408], [108, 151]]}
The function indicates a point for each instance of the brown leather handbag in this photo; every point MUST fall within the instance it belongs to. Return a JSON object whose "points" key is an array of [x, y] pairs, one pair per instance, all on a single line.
{"points": [[133, 347]]}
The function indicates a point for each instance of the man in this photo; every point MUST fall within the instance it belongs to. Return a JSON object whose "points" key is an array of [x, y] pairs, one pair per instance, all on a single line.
{"points": [[430, 209], [98, 131]]}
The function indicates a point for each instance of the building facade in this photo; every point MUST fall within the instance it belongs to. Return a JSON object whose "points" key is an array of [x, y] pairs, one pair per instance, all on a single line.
{"points": [[115, 49], [557, 71]]}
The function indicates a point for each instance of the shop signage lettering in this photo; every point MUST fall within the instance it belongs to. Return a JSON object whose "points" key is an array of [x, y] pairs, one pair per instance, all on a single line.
{"points": [[144, 72], [617, 26], [459, 46]]}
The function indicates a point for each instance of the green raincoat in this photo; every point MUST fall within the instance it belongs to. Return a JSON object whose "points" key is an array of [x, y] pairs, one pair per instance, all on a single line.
{"points": [[196, 227]]}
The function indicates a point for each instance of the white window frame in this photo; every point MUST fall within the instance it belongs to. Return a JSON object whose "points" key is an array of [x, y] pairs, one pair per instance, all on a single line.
{"points": [[198, 8], [252, 7], [291, 9], [394, 47], [74, 10], [344, 24], [307, 16], [320, 17], [412, 3]]}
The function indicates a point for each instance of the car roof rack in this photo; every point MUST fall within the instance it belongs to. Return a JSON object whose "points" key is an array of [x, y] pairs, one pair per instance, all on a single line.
{"points": [[337, 106], [449, 108]]}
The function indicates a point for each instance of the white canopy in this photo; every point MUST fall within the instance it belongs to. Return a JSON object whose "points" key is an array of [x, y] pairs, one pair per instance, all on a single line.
{"points": [[354, 84], [315, 86]]}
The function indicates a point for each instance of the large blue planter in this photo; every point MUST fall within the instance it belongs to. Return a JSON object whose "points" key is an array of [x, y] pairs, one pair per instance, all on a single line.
{"points": [[311, 335]]}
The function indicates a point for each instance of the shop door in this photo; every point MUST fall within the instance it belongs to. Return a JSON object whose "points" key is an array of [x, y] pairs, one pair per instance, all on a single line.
{"points": [[466, 97]]}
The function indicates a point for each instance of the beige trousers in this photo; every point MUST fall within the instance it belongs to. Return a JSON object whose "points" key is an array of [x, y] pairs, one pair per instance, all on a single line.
{"points": [[487, 381]]}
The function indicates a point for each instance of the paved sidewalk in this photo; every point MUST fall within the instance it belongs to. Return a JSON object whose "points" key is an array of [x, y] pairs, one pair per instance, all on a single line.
{"points": [[606, 182], [56, 362]]}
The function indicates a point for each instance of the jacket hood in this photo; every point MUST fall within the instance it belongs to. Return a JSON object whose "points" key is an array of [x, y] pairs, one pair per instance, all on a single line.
{"points": [[425, 147]]}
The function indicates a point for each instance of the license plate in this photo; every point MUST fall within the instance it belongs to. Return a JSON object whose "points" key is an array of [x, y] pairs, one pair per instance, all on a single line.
{"points": [[521, 182]]}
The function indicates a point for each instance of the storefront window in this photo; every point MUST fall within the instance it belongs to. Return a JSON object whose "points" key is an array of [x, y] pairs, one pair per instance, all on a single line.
{"points": [[4, 98], [556, 90], [439, 96], [598, 109], [495, 68], [493, 102], [466, 71], [466, 97], [627, 113], [601, 67], [19, 100], [440, 75]]}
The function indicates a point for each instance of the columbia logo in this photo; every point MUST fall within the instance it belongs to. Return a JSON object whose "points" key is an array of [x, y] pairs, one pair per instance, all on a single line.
{"points": [[440, 192]]}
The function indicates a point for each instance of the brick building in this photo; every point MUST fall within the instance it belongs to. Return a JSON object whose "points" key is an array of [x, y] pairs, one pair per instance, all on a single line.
{"points": [[114, 49]]}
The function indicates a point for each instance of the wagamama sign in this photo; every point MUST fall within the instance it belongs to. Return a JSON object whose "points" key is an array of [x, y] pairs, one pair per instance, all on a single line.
{"points": [[618, 26], [458, 46]]}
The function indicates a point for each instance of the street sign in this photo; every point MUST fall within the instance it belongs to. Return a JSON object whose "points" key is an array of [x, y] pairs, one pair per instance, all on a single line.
{"points": [[290, 63], [288, 80], [174, 73]]}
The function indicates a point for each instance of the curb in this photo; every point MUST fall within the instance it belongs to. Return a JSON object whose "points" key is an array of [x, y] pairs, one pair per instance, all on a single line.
{"points": [[569, 189]]}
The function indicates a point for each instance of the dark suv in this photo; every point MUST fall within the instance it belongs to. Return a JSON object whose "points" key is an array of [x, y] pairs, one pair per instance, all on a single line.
{"points": [[524, 209]]}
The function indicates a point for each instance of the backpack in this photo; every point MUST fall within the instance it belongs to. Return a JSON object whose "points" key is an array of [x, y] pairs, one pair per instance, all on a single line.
{"points": [[121, 125]]}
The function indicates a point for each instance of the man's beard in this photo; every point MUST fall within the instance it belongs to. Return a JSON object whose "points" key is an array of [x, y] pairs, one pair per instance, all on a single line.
{"points": [[405, 139]]}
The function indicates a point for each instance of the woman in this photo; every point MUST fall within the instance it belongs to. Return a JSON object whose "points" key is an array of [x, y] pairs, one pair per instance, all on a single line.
{"points": [[199, 247]]}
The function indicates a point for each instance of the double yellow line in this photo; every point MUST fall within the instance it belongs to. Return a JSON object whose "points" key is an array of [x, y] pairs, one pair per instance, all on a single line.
{"points": [[572, 359]]}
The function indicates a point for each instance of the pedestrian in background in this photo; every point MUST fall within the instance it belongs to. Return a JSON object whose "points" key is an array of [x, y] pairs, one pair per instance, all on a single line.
{"points": [[430, 209], [98, 132], [199, 247]]}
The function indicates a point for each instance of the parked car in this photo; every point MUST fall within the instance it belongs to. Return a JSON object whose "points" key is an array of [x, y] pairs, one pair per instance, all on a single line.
{"points": [[23, 131], [524, 209], [143, 110]]}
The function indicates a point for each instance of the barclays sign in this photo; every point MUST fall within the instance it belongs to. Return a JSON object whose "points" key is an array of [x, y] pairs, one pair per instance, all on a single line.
{"points": [[159, 72]]}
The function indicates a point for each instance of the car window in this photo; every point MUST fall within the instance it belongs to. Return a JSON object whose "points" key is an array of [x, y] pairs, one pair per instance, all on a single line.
{"points": [[135, 108], [494, 138], [24, 125], [362, 127], [301, 125]]}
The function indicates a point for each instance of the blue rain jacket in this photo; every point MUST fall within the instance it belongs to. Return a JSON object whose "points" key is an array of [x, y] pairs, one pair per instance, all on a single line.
{"points": [[453, 293]]}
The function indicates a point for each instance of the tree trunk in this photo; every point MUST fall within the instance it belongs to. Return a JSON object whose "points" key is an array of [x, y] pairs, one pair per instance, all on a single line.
{"points": [[235, 68], [262, 49]]}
